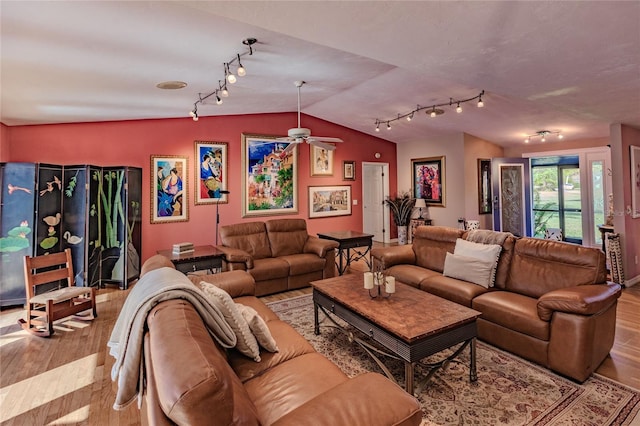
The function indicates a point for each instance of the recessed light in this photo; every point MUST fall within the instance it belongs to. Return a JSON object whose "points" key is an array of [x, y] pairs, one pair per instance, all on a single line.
{"points": [[171, 85]]}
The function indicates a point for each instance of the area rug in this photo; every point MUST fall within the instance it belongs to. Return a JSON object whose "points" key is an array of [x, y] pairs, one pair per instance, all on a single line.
{"points": [[509, 390]]}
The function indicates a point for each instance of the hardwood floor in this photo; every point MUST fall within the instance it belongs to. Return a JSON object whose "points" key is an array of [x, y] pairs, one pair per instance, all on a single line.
{"points": [[66, 379]]}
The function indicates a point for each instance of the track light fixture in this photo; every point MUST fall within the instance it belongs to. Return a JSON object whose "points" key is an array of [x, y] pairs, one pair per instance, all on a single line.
{"points": [[432, 110], [542, 134], [229, 77]]}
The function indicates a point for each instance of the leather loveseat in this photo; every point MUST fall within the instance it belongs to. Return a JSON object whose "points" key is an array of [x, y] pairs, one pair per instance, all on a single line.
{"points": [[550, 303], [192, 381], [279, 254]]}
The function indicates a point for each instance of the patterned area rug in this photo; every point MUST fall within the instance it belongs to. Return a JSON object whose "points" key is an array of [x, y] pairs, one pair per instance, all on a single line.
{"points": [[509, 390]]}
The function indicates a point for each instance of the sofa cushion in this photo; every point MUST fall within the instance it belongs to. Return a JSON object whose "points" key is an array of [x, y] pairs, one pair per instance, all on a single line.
{"points": [[452, 289], [286, 236], [485, 252], [258, 327], [513, 311], [291, 384], [303, 263], [269, 268], [540, 266], [470, 269], [411, 274], [246, 341], [206, 381], [290, 345], [431, 243], [248, 236]]}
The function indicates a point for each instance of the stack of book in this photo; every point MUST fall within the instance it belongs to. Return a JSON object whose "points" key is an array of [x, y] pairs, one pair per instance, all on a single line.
{"points": [[183, 248]]}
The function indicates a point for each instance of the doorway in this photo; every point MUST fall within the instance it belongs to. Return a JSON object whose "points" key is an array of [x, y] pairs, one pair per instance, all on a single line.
{"points": [[375, 188]]}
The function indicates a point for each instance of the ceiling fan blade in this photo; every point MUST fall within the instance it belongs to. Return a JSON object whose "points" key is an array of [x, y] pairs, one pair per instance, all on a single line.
{"points": [[326, 139], [289, 148], [322, 145], [285, 139]]}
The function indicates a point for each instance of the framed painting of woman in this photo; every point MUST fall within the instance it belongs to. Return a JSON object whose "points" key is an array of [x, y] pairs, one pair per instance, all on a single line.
{"points": [[211, 172], [169, 196]]}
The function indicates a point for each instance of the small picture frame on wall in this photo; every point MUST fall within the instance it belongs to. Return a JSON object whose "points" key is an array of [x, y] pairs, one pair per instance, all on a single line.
{"points": [[348, 170], [484, 186], [326, 201], [211, 172], [321, 161], [634, 157], [169, 199]]}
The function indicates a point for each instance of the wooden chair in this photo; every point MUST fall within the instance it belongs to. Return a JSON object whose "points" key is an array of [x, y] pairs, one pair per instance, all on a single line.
{"points": [[45, 308]]}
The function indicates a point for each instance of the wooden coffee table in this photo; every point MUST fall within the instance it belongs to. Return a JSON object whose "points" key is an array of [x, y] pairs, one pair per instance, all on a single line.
{"points": [[411, 324]]}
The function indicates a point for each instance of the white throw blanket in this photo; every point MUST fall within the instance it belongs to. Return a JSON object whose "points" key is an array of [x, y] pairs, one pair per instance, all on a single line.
{"points": [[126, 339]]}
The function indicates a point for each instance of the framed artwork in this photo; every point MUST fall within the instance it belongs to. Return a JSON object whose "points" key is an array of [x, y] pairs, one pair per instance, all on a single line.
{"points": [[269, 176], [634, 156], [428, 180], [321, 161], [348, 170], [169, 200], [211, 172], [326, 201], [484, 186]]}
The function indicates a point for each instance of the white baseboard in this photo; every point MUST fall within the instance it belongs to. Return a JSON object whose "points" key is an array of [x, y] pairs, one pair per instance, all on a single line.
{"points": [[633, 281]]}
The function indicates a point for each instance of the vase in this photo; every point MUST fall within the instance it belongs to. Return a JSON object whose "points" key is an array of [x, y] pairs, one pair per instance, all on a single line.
{"points": [[402, 235]]}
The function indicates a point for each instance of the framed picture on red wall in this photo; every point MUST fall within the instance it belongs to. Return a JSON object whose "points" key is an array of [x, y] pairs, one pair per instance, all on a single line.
{"points": [[169, 195], [211, 172]]}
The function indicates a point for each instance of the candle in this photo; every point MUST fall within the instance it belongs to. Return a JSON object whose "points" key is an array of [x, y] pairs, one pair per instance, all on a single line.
{"points": [[391, 285], [368, 280]]}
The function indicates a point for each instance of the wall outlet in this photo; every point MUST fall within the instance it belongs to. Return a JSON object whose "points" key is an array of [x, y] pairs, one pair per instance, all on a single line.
{"points": [[355, 203]]}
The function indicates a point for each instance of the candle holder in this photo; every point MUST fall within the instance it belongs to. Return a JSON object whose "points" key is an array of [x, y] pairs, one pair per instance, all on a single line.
{"points": [[375, 280]]}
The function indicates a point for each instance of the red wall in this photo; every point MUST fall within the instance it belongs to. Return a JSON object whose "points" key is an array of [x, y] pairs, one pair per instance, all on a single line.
{"points": [[132, 143]]}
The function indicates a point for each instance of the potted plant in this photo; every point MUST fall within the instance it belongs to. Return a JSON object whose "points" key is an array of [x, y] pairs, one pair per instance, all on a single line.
{"points": [[401, 207]]}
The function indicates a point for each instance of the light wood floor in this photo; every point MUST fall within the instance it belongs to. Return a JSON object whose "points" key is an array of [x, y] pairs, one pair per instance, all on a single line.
{"points": [[66, 379]]}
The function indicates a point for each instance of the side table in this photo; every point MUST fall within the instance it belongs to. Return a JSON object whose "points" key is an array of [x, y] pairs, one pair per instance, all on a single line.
{"points": [[348, 240], [201, 258]]}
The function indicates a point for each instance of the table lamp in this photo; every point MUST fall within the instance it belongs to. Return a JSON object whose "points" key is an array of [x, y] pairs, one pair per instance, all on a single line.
{"points": [[420, 204]]}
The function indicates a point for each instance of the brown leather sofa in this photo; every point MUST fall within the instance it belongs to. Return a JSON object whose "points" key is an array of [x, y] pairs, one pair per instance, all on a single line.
{"points": [[192, 381], [551, 302], [279, 254]]}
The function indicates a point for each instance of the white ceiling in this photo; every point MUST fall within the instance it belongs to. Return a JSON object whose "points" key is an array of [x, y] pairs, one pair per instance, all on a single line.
{"points": [[569, 66]]}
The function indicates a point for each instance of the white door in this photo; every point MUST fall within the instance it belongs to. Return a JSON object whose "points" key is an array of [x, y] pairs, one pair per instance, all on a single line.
{"points": [[375, 187]]}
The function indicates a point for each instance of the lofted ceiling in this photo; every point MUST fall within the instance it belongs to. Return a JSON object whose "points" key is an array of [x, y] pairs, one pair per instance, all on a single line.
{"points": [[568, 66]]}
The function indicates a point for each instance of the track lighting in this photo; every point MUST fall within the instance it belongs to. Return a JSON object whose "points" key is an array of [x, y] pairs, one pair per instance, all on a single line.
{"points": [[241, 71], [229, 77], [433, 110], [542, 134]]}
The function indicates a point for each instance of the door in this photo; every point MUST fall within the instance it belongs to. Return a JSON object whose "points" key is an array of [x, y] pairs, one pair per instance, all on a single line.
{"points": [[375, 187], [511, 185]]}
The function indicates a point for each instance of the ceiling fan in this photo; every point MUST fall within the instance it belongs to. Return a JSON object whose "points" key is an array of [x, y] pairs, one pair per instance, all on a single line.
{"points": [[299, 134]]}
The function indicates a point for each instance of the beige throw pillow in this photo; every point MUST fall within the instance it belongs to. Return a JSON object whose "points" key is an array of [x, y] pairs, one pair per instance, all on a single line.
{"points": [[486, 252], [258, 327], [469, 269], [247, 343]]}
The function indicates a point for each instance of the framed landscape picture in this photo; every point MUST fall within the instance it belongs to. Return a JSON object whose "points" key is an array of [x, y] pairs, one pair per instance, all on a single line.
{"points": [[169, 200], [326, 201], [348, 170], [210, 172], [428, 180], [269, 176], [484, 186], [321, 161]]}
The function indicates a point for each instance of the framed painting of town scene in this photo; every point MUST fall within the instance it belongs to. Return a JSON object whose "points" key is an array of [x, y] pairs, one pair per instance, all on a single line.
{"points": [[270, 176], [169, 200], [325, 201], [211, 172], [428, 180]]}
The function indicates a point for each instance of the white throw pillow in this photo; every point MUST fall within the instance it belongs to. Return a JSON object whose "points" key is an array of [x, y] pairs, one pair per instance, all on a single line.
{"points": [[247, 343], [487, 252], [469, 269], [258, 327]]}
